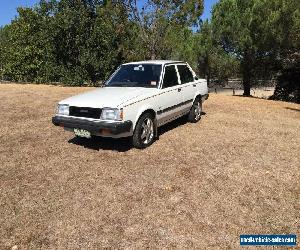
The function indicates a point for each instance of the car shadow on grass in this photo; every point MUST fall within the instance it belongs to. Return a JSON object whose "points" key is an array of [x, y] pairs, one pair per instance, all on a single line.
{"points": [[174, 124], [294, 109], [101, 143], [122, 144]]}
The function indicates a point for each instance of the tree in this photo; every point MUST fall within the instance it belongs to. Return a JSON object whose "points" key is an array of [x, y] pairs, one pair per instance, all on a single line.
{"points": [[211, 60], [91, 39], [77, 41], [24, 49], [252, 30], [156, 19], [287, 25], [180, 44], [4, 36], [71, 41]]}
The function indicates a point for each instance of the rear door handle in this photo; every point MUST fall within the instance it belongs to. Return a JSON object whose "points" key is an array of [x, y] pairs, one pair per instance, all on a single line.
{"points": [[179, 89]]}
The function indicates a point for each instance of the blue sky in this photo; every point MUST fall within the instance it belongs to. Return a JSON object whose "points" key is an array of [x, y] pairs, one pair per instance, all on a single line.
{"points": [[8, 8]]}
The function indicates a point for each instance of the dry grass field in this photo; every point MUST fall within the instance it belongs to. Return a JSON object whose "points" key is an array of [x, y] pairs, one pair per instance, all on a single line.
{"points": [[199, 186]]}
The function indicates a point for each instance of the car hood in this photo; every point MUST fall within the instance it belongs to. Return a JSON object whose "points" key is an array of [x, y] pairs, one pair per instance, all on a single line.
{"points": [[106, 97]]}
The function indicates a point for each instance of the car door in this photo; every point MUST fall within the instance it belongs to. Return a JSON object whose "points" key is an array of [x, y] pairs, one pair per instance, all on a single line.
{"points": [[170, 97], [188, 84]]}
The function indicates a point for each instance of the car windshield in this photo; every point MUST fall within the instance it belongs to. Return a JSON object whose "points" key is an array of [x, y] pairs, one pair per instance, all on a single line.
{"points": [[136, 75]]}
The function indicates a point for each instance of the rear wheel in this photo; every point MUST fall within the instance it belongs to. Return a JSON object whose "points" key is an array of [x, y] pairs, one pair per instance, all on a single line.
{"points": [[143, 135], [196, 111]]}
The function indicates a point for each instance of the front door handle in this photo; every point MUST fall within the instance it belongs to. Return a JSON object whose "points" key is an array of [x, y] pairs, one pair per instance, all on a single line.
{"points": [[194, 85], [179, 89]]}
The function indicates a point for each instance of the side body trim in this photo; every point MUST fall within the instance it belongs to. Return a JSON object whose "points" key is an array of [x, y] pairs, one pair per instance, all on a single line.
{"points": [[174, 107]]}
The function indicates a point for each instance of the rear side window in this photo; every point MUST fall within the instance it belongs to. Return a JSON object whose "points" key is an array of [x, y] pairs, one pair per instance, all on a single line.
{"points": [[170, 77], [185, 74]]}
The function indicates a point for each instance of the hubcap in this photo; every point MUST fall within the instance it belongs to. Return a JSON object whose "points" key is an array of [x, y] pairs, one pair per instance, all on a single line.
{"points": [[147, 131], [198, 110]]}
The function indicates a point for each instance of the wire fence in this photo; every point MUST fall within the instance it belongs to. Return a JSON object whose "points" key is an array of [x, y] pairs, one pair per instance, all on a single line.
{"points": [[263, 88]]}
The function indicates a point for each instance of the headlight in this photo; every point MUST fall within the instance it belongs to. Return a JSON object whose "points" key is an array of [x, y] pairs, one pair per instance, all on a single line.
{"points": [[63, 109], [112, 114]]}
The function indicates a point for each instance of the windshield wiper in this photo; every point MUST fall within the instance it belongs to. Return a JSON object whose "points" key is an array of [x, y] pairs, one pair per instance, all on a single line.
{"points": [[122, 84]]}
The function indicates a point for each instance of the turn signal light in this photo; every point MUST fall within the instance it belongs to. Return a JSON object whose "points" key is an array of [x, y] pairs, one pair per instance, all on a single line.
{"points": [[105, 132], [121, 114]]}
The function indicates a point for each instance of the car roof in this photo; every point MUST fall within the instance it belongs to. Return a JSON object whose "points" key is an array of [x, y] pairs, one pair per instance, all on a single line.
{"points": [[160, 62]]}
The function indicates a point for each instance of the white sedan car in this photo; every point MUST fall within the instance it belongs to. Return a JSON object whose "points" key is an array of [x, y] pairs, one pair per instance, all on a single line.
{"points": [[137, 99]]}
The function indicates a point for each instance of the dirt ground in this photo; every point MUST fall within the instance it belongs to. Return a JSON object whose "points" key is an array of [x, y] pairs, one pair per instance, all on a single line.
{"points": [[262, 92], [199, 186]]}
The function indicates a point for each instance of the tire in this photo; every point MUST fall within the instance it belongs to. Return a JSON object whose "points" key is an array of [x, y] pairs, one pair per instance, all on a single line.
{"points": [[144, 133], [196, 110]]}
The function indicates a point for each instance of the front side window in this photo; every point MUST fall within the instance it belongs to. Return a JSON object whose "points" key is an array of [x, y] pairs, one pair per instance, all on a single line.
{"points": [[170, 77], [185, 74], [136, 75]]}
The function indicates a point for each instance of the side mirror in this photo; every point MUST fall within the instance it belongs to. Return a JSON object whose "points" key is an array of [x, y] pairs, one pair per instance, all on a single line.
{"points": [[196, 78]]}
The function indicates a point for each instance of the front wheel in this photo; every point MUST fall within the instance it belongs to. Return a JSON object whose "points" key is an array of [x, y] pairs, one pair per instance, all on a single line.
{"points": [[143, 135], [196, 111]]}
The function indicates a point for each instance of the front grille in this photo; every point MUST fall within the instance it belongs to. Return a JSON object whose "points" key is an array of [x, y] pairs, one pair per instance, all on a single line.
{"points": [[85, 112]]}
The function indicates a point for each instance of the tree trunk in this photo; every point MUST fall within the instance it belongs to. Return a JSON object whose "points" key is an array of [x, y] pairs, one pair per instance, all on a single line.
{"points": [[246, 83], [208, 76], [246, 71]]}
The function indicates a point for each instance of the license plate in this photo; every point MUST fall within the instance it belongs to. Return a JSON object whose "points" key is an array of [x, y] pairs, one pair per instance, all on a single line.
{"points": [[82, 133]]}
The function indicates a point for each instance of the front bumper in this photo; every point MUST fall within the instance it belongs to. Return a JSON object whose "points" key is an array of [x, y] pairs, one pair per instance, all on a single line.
{"points": [[94, 127]]}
